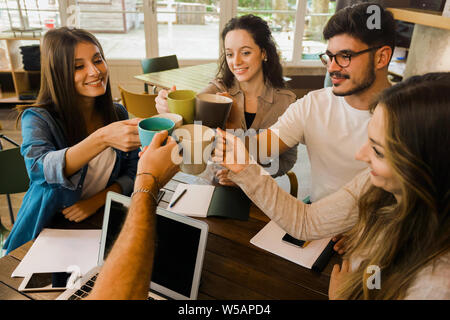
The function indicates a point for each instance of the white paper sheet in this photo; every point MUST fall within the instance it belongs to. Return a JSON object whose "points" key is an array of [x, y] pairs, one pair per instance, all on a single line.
{"points": [[269, 238], [195, 202], [55, 250]]}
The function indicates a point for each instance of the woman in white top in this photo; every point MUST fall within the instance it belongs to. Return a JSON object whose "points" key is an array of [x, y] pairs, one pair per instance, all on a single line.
{"points": [[75, 147], [396, 213]]}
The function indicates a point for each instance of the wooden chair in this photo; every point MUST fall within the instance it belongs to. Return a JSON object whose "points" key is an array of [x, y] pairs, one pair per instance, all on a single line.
{"points": [[139, 105], [158, 64], [293, 183]]}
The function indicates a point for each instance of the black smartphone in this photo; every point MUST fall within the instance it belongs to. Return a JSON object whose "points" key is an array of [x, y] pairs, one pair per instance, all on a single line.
{"points": [[291, 240], [160, 195], [45, 281]]}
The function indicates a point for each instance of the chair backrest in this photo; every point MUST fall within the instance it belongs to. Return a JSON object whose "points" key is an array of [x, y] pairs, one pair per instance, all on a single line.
{"points": [[159, 64], [13, 173], [139, 104]]}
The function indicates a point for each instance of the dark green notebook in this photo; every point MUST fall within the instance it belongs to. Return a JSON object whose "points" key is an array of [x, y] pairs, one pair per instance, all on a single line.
{"points": [[211, 201], [229, 202]]}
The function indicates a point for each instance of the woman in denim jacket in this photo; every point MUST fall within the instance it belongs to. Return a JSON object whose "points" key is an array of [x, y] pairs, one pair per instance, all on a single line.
{"points": [[77, 144]]}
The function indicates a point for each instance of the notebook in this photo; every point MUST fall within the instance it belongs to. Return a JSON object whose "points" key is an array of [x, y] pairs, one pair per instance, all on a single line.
{"points": [[210, 201], [315, 255], [178, 261]]}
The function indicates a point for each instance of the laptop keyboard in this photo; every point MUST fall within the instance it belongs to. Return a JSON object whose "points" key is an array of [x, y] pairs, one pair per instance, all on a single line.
{"points": [[84, 290], [87, 288]]}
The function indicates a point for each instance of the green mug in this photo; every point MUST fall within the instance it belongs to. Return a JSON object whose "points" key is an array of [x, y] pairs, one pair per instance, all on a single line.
{"points": [[182, 102]]}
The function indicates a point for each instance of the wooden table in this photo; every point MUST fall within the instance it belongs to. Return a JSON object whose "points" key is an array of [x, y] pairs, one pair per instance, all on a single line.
{"points": [[194, 78], [233, 267]]}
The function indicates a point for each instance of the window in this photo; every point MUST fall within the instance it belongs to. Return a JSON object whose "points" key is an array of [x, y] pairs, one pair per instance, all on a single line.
{"points": [[189, 29], [28, 17], [317, 14], [117, 24], [280, 15], [135, 29]]}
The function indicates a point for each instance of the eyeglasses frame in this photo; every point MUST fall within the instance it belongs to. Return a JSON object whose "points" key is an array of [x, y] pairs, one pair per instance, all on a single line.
{"points": [[350, 54]]}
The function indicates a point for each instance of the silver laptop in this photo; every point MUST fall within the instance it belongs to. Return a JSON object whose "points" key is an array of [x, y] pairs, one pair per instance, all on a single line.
{"points": [[178, 261]]}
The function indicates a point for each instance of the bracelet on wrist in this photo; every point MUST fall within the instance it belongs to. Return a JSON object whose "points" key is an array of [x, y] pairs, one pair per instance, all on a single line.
{"points": [[143, 190], [150, 174]]}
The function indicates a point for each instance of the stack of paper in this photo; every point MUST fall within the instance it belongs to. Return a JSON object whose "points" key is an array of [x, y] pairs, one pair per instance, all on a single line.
{"points": [[56, 250], [195, 202]]}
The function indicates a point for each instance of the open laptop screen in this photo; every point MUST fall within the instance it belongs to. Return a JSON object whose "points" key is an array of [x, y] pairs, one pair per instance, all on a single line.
{"points": [[176, 249]]}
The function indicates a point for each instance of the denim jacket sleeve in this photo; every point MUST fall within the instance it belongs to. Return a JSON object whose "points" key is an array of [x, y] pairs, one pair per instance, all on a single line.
{"points": [[44, 150], [128, 161]]}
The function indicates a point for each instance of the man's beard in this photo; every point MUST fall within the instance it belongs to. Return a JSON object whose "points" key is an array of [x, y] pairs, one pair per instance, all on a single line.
{"points": [[365, 83]]}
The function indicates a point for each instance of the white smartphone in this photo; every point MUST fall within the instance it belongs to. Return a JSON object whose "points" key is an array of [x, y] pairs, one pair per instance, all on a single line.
{"points": [[45, 281]]}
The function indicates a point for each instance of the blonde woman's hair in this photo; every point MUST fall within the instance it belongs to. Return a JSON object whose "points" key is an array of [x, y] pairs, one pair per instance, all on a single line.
{"points": [[401, 238]]}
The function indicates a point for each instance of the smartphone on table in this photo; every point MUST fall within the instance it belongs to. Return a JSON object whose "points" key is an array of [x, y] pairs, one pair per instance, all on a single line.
{"points": [[293, 241], [45, 281]]}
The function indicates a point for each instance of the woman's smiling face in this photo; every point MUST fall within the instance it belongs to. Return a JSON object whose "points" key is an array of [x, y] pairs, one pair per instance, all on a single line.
{"points": [[373, 153], [244, 57], [91, 71]]}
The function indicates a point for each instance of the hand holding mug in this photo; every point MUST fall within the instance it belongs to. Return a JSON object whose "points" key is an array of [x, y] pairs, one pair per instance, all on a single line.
{"points": [[231, 152], [160, 160], [161, 100], [122, 135], [233, 116]]}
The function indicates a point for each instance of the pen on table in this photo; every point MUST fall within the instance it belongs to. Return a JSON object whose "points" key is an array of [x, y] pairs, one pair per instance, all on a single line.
{"points": [[178, 198]]}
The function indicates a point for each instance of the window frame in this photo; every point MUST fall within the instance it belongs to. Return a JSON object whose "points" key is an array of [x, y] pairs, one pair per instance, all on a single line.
{"points": [[228, 10]]}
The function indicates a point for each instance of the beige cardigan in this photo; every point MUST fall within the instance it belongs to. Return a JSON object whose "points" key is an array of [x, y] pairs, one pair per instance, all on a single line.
{"points": [[330, 216]]}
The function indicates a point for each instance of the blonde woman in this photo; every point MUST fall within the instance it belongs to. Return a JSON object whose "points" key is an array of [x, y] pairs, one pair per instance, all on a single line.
{"points": [[396, 213]]}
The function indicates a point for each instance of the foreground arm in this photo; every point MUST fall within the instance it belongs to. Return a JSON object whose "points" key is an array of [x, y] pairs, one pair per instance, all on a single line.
{"points": [[127, 270]]}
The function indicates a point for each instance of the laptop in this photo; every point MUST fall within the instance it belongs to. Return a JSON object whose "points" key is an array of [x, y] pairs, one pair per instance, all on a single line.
{"points": [[178, 261]]}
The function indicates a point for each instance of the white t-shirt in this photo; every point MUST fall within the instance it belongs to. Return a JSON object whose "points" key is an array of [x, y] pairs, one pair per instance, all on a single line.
{"points": [[332, 131], [98, 173]]}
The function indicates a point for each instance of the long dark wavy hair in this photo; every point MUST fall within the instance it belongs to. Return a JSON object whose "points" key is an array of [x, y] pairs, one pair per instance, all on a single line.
{"points": [[57, 93], [260, 32], [401, 238]]}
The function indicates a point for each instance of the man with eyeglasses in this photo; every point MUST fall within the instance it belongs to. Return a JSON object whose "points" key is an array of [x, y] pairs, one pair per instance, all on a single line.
{"points": [[332, 122]]}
